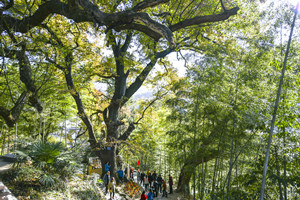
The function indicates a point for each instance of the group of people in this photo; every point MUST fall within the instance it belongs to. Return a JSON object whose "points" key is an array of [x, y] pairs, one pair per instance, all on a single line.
{"points": [[154, 184]]}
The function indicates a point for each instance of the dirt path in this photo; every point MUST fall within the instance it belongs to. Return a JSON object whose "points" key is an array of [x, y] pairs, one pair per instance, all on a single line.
{"points": [[173, 196], [4, 191]]}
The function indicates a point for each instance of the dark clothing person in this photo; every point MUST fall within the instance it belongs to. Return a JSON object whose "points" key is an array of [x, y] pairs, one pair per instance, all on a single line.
{"points": [[150, 179], [106, 180], [154, 176], [159, 183], [131, 173], [171, 184], [142, 177], [155, 189]]}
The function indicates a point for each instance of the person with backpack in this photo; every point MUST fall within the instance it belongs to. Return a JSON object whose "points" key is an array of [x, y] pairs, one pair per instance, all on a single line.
{"points": [[106, 180], [159, 183]]}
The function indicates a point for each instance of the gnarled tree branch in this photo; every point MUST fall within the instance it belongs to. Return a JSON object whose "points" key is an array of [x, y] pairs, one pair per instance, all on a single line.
{"points": [[204, 19], [11, 116]]}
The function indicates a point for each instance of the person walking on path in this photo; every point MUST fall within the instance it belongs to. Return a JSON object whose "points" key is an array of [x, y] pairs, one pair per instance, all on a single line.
{"points": [[142, 177], [138, 175], [131, 173], [111, 188], [146, 182], [171, 183], [164, 185], [155, 189], [154, 176], [150, 195], [106, 180], [159, 183], [143, 196], [150, 180]]}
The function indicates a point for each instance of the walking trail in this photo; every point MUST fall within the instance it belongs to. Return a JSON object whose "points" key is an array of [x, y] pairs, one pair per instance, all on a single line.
{"points": [[4, 191], [173, 196]]}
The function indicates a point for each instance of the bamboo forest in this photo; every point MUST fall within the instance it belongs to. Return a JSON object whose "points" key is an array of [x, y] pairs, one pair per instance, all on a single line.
{"points": [[149, 99]]}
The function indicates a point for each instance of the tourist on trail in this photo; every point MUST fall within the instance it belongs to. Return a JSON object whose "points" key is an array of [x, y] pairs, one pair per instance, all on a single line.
{"points": [[131, 173], [154, 176], [128, 171], [148, 172], [171, 183], [138, 176], [155, 189], [143, 196], [146, 182], [159, 183], [150, 180], [106, 180], [111, 188], [142, 177], [120, 173], [150, 195], [164, 185], [107, 166]]}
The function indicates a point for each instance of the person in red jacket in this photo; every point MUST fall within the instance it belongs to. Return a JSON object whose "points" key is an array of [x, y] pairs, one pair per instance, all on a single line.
{"points": [[143, 196]]}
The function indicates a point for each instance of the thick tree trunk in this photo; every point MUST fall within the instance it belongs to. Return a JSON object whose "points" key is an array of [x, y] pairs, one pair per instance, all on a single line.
{"points": [[188, 169], [108, 154], [184, 179]]}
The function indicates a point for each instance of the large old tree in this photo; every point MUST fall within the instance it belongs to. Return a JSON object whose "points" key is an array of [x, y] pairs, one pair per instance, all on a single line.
{"points": [[154, 28]]}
